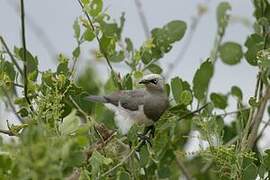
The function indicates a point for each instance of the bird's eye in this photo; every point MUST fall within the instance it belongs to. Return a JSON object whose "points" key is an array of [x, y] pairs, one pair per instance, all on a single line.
{"points": [[154, 81]]}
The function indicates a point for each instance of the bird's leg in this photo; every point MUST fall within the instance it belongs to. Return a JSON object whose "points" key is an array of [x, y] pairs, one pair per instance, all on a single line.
{"points": [[144, 136]]}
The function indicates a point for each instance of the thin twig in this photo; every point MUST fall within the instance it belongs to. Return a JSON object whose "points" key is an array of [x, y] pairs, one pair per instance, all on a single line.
{"points": [[7, 132], [232, 112], [183, 168], [123, 160], [37, 30], [79, 108], [194, 24], [99, 145], [11, 55], [103, 51], [193, 112], [262, 131], [143, 18], [24, 57], [96, 35], [12, 105]]}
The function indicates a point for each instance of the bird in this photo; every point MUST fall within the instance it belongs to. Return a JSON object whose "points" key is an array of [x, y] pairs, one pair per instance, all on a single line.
{"points": [[143, 106]]}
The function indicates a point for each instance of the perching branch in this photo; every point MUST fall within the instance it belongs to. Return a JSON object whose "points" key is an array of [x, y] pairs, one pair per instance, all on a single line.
{"points": [[143, 18], [11, 55], [24, 57]]}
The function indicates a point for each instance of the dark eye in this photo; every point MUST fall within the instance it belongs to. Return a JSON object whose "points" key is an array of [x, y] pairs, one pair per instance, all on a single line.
{"points": [[154, 81]]}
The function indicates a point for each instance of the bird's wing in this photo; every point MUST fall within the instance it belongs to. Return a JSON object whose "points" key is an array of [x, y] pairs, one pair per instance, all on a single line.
{"points": [[129, 99]]}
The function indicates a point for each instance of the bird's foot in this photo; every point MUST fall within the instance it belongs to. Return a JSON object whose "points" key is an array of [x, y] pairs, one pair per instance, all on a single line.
{"points": [[144, 139]]}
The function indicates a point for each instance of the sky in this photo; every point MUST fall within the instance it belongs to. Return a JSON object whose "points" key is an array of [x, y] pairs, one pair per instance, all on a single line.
{"points": [[49, 32]]}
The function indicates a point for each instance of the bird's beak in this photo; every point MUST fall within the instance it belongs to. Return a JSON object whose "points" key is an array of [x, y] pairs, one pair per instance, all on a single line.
{"points": [[143, 81]]}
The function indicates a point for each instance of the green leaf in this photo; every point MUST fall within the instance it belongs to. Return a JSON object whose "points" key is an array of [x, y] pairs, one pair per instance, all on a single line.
{"points": [[202, 78], [250, 172], [154, 68], [254, 43], [236, 91], [96, 162], [219, 100], [117, 56], [129, 45], [88, 35], [77, 30], [186, 97], [222, 15], [8, 68], [107, 45], [175, 30], [70, 123], [123, 175], [177, 88], [127, 82], [231, 53], [95, 7], [62, 67], [263, 57], [76, 52]]}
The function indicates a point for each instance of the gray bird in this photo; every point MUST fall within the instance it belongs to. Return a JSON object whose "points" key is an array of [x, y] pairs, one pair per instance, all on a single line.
{"points": [[143, 106]]}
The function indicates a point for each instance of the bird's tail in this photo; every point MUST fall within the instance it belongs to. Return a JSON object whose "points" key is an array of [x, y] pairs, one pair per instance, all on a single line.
{"points": [[96, 99]]}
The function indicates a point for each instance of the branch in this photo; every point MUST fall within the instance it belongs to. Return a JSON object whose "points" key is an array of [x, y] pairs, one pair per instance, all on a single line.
{"points": [[123, 160], [7, 132], [258, 118], [11, 55], [24, 57], [79, 108], [232, 112], [11, 104], [193, 112], [262, 131], [142, 18]]}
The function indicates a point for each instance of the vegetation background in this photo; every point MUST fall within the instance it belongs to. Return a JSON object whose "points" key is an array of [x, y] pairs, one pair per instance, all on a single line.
{"points": [[207, 51]]}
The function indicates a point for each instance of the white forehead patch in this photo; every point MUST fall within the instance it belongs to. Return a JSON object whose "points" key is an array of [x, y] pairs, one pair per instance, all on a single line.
{"points": [[152, 76]]}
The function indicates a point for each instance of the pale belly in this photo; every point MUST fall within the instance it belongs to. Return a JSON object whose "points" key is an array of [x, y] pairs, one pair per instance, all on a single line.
{"points": [[125, 118]]}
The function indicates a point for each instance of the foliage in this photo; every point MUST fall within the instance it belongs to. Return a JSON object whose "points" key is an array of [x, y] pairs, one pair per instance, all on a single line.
{"points": [[61, 135]]}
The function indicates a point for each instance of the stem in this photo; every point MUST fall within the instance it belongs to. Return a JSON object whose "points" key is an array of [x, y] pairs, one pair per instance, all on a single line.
{"points": [[98, 39], [193, 112], [24, 57], [101, 49], [258, 118], [142, 18], [123, 160], [11, 55], [79, 108], [11, 104]]}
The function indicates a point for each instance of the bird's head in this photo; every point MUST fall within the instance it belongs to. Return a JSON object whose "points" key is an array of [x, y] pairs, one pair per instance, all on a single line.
{"points": [[153, 82]]}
